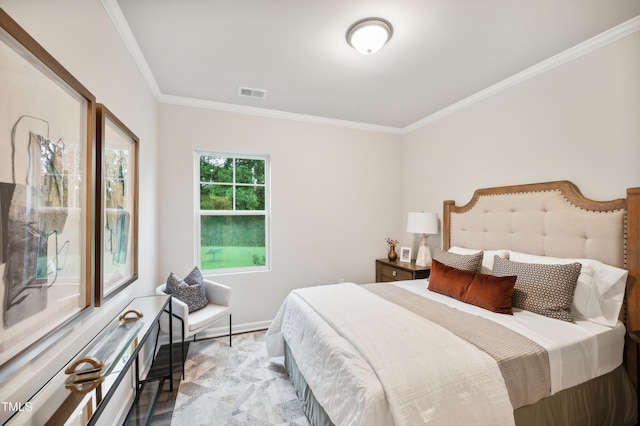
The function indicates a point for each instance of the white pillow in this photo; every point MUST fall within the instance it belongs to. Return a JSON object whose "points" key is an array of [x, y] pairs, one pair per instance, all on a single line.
{"points": [[487, 257], [599, 291]]}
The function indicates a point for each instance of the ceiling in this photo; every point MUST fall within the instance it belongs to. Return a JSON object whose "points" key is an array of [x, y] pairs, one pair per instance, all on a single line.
{"points": [[441, 52]]}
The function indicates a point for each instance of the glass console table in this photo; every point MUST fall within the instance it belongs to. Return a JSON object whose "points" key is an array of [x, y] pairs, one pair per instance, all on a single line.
{"points": [[79, 393]]}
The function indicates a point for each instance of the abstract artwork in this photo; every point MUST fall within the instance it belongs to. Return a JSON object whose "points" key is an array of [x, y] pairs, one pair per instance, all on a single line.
{"points": [[117, 197], [46, 146], [36, 213]]}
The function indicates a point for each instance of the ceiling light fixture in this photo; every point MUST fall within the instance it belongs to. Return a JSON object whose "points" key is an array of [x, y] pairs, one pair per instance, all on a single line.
{"points": [[368, 35]]}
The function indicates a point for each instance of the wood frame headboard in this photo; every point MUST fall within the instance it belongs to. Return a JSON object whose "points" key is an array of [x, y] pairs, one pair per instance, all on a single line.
{"points": [[613, 227]]}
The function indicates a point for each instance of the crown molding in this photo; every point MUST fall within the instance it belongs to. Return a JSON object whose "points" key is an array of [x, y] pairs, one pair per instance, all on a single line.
{"points": [[594, 43], [271, 113], [123, 29]]}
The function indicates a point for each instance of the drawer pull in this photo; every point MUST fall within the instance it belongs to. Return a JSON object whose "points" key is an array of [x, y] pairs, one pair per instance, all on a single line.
{"points": [[125, 318], [394, 273]]}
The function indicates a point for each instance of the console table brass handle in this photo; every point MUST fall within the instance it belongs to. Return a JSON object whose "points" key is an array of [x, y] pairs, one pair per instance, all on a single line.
{"points": [[394, 273], [95, 362], [85, 387], [137, 314]]}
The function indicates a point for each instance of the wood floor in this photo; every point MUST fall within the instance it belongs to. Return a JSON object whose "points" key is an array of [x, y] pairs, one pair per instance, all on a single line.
{"points": [[161, 415]]}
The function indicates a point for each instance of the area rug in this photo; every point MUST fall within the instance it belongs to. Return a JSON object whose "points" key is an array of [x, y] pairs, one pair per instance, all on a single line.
{"points": [[238, 385]]}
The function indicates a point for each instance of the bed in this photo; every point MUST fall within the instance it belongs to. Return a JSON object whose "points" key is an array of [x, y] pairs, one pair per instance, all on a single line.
{"points": [[385, 354]]}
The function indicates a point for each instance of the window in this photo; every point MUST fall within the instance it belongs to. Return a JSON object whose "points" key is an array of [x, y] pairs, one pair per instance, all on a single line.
{"points": [[233, 211]]}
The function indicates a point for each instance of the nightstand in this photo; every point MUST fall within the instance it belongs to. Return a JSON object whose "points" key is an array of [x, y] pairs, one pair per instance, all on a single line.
{"points": [[393, 270]]}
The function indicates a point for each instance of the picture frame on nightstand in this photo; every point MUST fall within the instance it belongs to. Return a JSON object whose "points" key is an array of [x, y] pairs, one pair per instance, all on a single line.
{"points": [[405, 254]]}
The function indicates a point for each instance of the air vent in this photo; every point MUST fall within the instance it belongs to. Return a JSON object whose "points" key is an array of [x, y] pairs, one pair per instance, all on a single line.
{"points": [[252, 93]]}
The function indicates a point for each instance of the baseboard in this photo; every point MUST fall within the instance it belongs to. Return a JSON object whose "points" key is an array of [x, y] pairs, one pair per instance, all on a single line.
{"points": [[220, 331]]}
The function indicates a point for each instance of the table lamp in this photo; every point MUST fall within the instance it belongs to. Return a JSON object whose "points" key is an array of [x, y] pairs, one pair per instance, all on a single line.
{"points": [[425, 224]]}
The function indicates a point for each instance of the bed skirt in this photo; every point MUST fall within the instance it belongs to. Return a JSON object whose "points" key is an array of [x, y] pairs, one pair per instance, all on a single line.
{"points": [[608, 400], [312, 409]]}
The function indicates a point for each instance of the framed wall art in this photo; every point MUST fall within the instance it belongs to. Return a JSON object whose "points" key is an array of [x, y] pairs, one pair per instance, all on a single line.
{"points": [[117, 198], [46, 197]]}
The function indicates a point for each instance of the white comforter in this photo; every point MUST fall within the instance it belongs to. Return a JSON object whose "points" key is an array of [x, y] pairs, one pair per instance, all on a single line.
{"points": [[368, 370]]}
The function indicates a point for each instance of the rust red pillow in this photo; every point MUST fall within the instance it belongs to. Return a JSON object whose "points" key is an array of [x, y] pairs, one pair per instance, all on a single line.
{"points": [[486, 291]]}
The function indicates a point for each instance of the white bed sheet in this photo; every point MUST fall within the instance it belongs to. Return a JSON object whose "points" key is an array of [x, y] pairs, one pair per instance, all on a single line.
{"points": [[349, 352], [578, 351], [347, 387]]}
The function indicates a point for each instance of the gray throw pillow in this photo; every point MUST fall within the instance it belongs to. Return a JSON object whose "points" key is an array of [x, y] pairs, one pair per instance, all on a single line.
{"points": [[191, 290], [172, 283], [544, 289], [193, 278], [194, 296], [466, 262]]}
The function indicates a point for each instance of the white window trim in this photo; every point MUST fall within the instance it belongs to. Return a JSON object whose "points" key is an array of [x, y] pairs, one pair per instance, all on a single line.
{"points": [[198, 213]]}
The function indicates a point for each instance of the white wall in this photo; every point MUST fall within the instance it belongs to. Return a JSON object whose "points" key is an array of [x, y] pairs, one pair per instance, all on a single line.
{"points": [[336, 194], [579, 122], [80, 35]]}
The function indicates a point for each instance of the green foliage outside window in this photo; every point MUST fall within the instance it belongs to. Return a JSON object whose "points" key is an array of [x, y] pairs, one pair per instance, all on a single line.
{"points": [[233, 215]]}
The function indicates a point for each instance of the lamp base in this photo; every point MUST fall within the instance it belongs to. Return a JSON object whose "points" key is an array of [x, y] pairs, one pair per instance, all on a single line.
{"points": [[424, 254]]}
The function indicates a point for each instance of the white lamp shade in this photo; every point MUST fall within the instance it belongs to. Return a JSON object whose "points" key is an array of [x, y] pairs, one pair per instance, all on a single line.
{"points": [[422, 223], [369, 35]]}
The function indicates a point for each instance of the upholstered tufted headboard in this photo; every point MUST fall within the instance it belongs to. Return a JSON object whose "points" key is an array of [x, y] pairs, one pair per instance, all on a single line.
{"points": [[547, 222], [554, 219]]}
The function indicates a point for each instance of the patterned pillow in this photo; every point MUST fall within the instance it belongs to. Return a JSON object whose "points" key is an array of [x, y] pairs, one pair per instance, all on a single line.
{"points": [[172, 283], [191, 290], [546, 289], [193, 296], [194, 277], [466, 262]]}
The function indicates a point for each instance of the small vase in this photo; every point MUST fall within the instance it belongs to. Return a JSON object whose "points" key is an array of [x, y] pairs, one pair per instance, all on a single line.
{"points": [[392, 253]]}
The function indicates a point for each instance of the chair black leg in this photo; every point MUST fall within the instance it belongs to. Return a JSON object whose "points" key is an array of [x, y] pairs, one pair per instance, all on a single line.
{"points": [[229, 330]]}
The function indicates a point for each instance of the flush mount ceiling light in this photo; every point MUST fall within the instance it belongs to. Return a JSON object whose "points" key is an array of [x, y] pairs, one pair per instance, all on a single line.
{"points": [[368, 35]]}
